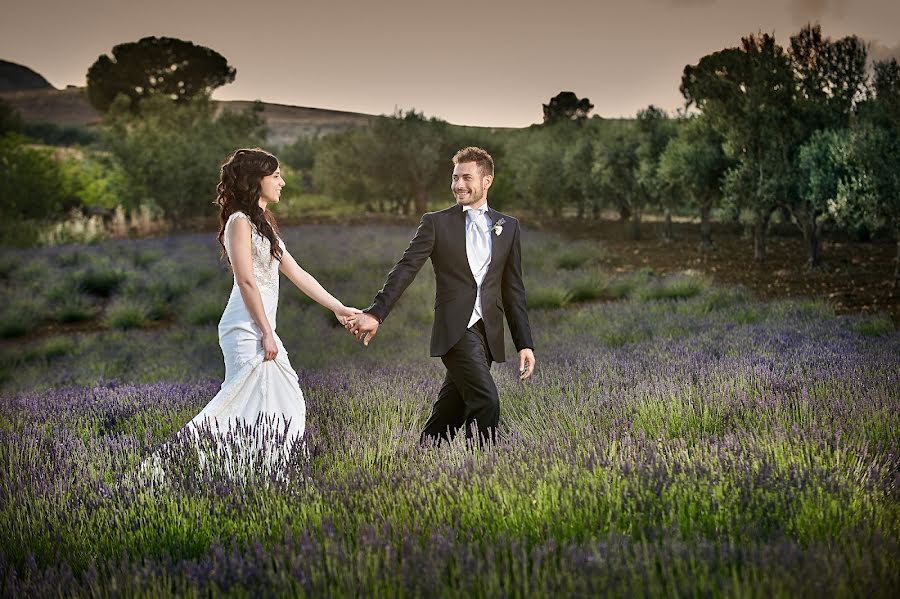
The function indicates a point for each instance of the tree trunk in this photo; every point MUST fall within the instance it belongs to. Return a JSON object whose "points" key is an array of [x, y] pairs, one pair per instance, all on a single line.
{"points": [[422, 201], [668, 233], [897, 263], [706, 243], [807, 221], [633, 226], [624, 213], [811, 232], [760, 229], [556, 209]]}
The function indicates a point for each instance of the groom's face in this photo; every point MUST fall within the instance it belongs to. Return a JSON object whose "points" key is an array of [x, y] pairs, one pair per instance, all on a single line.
{"points": [[468, 185]]}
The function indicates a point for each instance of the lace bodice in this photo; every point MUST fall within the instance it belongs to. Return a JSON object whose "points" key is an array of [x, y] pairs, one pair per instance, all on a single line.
{"points": [[265, 267]]}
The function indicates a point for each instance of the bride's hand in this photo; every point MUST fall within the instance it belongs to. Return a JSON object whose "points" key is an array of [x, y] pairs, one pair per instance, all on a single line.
{"points": [[345, 314], [270, 349]]}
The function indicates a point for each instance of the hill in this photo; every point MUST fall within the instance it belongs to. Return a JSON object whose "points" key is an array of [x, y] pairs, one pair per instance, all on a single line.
{"points": [[57, 106], [71, 107], [287, 123], [16, 77]]}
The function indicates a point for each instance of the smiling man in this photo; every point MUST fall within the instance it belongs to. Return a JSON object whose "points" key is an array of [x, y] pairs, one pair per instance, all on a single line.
{"points": [[476, 255]]}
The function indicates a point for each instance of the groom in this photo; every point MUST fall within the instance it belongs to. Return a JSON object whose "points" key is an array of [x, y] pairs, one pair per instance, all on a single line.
{"points": [[476, 256]]}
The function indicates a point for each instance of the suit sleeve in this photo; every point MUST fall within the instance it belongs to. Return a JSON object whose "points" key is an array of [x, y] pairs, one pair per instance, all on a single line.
{"points": [[403, 273], [513, 290]]}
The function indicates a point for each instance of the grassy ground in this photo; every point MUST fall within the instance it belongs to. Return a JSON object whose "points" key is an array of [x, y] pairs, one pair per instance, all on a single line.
{"points": [[678, 438]]}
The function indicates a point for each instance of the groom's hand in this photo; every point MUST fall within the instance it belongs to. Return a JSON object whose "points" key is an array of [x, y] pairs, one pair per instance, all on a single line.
{"points": [[363, 327], [526, 363]]}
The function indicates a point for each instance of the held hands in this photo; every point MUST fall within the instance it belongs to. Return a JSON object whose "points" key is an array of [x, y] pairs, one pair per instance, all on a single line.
{"points": [[344, 314], [526, 363], [363, 326]]}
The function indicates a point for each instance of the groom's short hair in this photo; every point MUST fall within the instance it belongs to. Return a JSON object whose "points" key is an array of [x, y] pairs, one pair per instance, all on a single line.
{"points": [[480, 157]]}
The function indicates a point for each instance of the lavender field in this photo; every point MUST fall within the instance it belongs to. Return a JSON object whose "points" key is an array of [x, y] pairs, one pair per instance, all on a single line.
{"points": [[677, 438]]}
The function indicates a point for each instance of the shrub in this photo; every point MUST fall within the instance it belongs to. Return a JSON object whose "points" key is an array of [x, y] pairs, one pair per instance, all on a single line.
{"points": [[171, 154], [203, 310], [676, 288], [547, 298], [77, 308], [72, 258], [17, 320], [32, 183], [748, 316], [127, 314], [718, 299], [144, 258], [50, 349], [7, 266], [578, 255], [619, 337], [33, 276], [874, 327], [101, 281], [16, 324], [587, 289], [77, 228], [621, 288], [60, 135]]}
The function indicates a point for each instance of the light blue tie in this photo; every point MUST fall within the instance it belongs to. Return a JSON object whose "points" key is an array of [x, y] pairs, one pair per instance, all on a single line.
{"points": [[478, 246]]}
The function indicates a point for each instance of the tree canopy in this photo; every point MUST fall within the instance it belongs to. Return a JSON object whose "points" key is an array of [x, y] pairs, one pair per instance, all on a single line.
{"points": [[165, 66], [171, 154], [566, 106]]}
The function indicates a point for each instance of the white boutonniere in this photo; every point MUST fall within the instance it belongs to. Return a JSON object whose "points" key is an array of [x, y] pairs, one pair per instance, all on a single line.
{"points": [[497, 227]]}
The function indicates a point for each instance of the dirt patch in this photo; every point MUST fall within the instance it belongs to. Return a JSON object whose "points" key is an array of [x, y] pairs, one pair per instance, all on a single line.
{"points": [[857, 276]]}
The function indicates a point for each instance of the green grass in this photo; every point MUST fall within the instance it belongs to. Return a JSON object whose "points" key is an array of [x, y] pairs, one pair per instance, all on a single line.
{"points": [[874, 327]]}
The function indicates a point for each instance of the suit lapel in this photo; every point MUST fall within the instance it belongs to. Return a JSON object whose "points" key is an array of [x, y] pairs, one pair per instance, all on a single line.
{"points": [[496, 240], [457, 236]]}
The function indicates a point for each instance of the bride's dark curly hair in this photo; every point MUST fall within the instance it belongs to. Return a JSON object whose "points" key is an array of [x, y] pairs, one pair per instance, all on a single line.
{"points": [[239, 189]]}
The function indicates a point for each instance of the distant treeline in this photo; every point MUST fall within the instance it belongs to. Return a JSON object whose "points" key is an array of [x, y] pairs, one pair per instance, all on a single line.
{"points": [[807, 131]]}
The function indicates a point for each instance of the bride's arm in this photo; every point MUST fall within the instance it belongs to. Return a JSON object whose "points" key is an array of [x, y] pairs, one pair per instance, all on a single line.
{"points": [[242, 264], [308, 284]]}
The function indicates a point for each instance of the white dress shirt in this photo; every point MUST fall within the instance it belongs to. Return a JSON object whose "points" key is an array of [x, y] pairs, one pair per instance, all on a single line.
{"points": [[478, 251]]}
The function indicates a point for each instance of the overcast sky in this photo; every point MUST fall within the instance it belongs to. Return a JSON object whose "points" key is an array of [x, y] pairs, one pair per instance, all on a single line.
{"points": [[489, 63]]}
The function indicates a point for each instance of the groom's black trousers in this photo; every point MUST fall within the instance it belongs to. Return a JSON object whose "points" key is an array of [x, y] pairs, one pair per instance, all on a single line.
{"points": [[468, 394]]}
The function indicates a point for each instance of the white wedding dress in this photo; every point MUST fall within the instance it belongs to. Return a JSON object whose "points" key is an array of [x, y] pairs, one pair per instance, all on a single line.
{"points": [[259, 413], [254, 388]]}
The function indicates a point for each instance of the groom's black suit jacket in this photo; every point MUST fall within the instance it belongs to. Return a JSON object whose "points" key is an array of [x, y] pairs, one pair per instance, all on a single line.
{"points": [[442, 237]]}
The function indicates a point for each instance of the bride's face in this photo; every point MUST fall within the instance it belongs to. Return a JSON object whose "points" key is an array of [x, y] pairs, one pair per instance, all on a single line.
{"points": [[270, 188]]}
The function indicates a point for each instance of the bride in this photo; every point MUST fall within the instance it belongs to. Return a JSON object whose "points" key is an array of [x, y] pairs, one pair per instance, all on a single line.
{"points": [[260, 384]]}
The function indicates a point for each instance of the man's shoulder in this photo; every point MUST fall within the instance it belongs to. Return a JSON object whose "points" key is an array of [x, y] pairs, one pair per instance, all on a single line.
{"points": [[508, 218], [454, 209]]}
